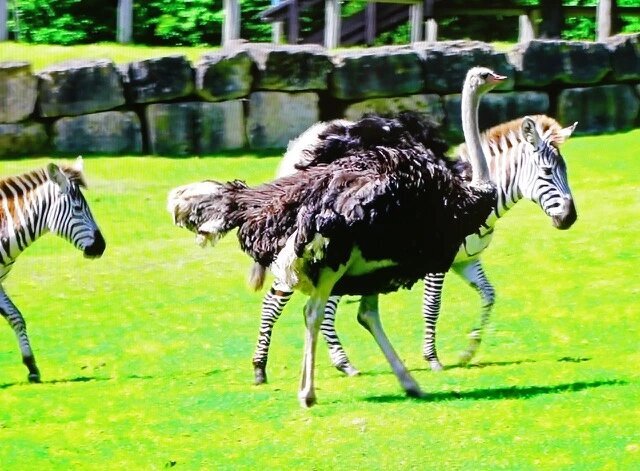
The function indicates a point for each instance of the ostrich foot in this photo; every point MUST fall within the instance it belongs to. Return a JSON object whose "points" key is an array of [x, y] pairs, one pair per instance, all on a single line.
{"points": [[470, 352], [347, 369]]}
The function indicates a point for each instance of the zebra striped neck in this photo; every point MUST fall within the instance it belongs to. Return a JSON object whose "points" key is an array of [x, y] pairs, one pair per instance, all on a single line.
{"points": [[504, 168], [25, 203]]}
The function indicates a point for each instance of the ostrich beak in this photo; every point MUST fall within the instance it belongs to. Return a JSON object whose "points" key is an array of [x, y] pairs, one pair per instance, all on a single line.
{"points": [[495, 79]]}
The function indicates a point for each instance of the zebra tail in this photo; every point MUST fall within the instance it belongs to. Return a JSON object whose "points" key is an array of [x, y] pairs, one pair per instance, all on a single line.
{"points": [[206, 208], [257, 276]]}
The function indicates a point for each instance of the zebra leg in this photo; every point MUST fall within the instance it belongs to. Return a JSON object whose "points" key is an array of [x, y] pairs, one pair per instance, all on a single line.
{"points": [[369, 318], [430, 310], [338, 356], [272, 305], [10, 312], [474, 274]]}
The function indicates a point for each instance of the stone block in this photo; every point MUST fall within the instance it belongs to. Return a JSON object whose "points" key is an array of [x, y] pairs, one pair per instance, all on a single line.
{"points": [[625, 56], [542, 62], [376, 72], [18, 91], [291, 67], [79, 87], [221, 127], [109, 132], [159, 79], [607, 108], [495, 108], [429, 104], [276, 117], [23, 139], [172, 128], [446, 64], [195, 128], [224, 75]]}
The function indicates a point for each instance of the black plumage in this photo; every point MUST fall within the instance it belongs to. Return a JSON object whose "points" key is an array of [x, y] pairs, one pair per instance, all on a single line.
{"points": [[382, 185]]}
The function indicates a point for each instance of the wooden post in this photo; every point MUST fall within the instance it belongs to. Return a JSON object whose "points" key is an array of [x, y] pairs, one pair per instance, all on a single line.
{"points": [[370, 24], [603, 23], [431, 27], [231, 25], [277, 32], [331, 24], [416, 14], [4, 30], [125, 21], [525, 33], [294, 27]]}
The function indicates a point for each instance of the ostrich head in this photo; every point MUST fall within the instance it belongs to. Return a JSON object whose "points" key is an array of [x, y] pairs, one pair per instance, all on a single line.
{"points": [[481, 80]]}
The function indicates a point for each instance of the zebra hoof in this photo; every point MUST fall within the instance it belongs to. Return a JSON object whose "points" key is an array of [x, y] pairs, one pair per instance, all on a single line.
{"points": [[34, 378], [415, 393], [260, 376], [348, 369], [435, 365]]}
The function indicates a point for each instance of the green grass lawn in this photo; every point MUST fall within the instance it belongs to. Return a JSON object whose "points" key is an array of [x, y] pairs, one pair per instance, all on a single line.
{"points": [[43, 55], [146, 353]]}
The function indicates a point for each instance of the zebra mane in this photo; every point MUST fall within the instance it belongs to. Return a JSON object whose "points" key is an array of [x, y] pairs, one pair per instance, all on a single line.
{"points": [[74, 175], [18, 185], [548, 128]]}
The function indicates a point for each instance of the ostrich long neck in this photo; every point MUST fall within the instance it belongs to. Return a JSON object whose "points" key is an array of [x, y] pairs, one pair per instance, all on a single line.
{"points": [[470, 103]]}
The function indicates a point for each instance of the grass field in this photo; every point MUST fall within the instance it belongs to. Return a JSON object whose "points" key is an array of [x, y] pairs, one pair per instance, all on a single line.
{"points": [[146, 353]]}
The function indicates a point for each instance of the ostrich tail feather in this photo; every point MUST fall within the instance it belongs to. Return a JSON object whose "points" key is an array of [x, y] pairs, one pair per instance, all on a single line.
{"points": [[205, 208]]}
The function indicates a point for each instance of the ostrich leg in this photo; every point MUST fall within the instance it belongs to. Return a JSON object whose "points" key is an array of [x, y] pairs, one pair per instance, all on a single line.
{"points": [[473, 273], [369, 318], [313, 314]]}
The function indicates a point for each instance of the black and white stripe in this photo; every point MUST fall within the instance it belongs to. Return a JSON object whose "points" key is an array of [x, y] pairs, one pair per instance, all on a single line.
{"points": [[45, 200]]}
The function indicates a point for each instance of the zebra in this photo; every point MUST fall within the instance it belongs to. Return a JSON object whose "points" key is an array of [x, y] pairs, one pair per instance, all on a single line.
{"points": [[525, 162], [44, 200]]}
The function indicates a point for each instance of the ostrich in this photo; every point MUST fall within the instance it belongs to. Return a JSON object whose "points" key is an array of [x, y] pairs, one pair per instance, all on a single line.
{"points": [[524, 160], [378, 206]]}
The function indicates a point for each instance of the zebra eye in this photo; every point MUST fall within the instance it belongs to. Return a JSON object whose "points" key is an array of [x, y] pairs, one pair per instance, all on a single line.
{"points": [[547, 171]]}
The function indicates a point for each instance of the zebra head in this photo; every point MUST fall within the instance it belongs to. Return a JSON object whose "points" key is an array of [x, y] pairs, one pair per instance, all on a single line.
{"points": [[545, 173], [69, 214]]}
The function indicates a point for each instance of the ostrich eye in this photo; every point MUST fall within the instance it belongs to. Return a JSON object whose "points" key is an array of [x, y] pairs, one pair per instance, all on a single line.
{"points": [[484, 75]]}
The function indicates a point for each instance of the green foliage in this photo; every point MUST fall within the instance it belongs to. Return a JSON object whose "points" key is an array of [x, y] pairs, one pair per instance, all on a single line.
{"points": [[146, 352], [199, 22]]}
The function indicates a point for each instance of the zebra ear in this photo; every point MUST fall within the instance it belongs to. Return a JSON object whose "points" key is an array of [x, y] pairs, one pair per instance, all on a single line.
{"points": [[564, 133], [57, 177], [530, 132], [78, 165]]}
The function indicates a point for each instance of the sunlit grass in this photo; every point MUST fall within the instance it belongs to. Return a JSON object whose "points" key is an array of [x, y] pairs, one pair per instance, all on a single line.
{"points": [[146, 353], [42, 55]]}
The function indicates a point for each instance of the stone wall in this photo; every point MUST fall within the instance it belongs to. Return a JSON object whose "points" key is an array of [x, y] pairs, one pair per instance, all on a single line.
{"points": [[259, 96]]}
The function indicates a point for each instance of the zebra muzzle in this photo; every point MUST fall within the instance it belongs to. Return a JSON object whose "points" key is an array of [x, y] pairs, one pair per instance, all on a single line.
{"points": [[96, 249], [568, 217]]}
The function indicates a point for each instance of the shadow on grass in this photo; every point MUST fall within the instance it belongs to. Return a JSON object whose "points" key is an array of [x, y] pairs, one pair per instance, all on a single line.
{"points": [[514, 392], [78, 379]]}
